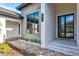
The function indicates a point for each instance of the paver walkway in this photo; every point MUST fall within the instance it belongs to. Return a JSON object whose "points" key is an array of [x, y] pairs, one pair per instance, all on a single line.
{"points": [[23, 45]]}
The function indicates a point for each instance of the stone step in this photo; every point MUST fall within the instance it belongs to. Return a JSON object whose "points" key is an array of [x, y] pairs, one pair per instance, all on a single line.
{"points": [[65, 46], [62, 49]]}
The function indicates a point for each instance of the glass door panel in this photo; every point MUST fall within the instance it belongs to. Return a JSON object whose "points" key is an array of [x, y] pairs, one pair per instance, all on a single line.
{"points": [[61, 26], [69, 26]]}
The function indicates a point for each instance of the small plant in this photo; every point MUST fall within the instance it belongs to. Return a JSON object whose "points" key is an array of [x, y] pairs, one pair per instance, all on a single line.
{"points": [[26, 39], [35, 40], [4, 47], [39, 41], [32, 40], [29, 54]]}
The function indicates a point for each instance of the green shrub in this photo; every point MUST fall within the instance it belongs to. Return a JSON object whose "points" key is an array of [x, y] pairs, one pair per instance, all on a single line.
{"points": [[26, 39], [32, 40], [35, 40], [4, 47], [29, 54], [39, 41]]}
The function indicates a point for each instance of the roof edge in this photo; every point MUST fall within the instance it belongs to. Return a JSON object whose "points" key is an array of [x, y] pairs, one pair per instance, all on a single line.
{"points": [[22, 6]]}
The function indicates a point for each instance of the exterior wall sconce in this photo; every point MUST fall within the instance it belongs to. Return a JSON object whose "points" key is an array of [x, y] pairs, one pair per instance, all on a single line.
{"points": [[42, 17]]}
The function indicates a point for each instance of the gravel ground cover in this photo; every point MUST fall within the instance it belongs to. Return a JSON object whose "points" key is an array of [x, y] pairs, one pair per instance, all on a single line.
{"points": [[36, 49]]}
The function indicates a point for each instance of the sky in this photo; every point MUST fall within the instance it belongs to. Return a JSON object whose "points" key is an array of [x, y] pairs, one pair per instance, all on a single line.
{"points": [[69, 18], [10, 6]]}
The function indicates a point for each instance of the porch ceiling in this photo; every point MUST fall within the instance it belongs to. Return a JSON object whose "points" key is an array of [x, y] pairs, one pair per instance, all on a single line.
{"points": [[65, 3]]}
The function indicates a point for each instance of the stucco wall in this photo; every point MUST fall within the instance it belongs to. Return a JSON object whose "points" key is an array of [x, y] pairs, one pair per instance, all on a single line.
{"points": [[65, 8], [78, 24], [50, 23], [48, 27], [3, 30], [43, 42], [25, 11]]}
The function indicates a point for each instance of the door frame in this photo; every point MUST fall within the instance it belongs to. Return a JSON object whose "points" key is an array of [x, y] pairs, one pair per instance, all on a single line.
{"points": [[65, 26]]}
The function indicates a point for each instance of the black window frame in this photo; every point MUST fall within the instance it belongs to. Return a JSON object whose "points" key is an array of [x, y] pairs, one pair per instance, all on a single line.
{"points": [[65, 26], [33, 21]]}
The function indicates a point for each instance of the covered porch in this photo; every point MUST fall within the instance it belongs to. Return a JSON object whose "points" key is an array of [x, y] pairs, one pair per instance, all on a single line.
{"points": [[53, 37]]}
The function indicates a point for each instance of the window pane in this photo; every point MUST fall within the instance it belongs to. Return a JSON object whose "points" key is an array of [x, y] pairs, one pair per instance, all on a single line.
{"points": [[32, 15], [69, 26], [61, 26], [28, 18], [29, 28], [37, 15], [36, 26]]}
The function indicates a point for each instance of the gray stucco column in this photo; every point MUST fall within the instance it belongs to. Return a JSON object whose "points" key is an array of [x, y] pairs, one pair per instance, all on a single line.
{"points": [[24, 26], [48, 25], [43, 25], [78, 25]]}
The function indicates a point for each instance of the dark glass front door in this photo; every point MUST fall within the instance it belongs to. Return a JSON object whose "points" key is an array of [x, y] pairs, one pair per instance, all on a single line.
{"points": [[66, 26]]}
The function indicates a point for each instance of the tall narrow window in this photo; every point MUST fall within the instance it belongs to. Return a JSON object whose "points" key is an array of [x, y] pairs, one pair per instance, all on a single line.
{"points": [[66, 26]]}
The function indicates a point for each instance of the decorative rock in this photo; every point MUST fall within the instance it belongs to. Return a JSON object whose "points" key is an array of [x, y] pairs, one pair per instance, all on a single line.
{"points": [[23, 45]]}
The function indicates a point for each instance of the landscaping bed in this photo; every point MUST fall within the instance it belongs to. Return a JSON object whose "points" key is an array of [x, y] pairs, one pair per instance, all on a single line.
{"points": [[22, 51], [32, 40], [6, 50], [34, 50]]}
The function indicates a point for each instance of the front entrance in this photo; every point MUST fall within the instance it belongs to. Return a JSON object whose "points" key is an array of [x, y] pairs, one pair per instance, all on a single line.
{"points": [[66, 26]]}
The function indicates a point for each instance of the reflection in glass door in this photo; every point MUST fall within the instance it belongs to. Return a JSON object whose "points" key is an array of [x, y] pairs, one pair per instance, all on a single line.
{"points": [[69, 26], [61, 26]]}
